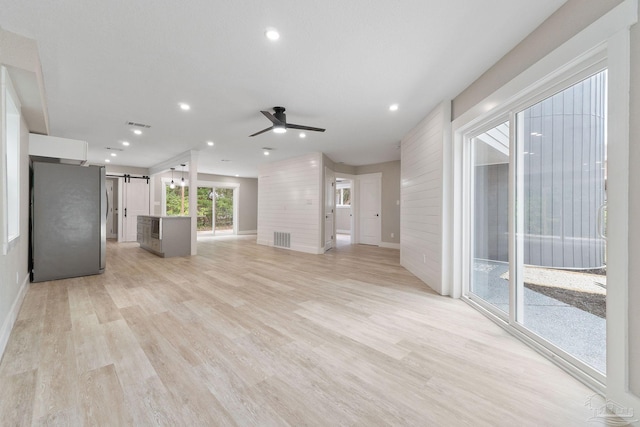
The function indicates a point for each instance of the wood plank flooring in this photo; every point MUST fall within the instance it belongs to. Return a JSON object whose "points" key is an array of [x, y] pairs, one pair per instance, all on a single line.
{"points": [[248, 335]]}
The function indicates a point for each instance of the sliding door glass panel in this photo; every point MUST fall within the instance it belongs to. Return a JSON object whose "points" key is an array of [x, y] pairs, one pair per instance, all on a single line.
{"points": [[224, 210], [489, 217], [561, 199], [205, 209]]}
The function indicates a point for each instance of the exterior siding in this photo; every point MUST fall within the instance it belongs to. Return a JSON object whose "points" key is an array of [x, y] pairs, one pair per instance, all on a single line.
{"points": [[564, 184]]}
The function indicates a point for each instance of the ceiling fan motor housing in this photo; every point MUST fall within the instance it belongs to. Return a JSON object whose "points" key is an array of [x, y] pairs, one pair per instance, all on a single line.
{"points": [[279, 114]]}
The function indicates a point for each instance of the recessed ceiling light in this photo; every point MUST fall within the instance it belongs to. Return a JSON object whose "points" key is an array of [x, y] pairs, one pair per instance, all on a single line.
{"points": [[266, 153], [113, 154], [137, 131], [185, 107], [237, 175], [210, 143], [303, 135], [107, 161], [272, 34], [393, 107], [125, 143]]}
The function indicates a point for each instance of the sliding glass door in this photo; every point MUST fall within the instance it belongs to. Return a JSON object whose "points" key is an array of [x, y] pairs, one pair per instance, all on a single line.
{"points": [[537, 224], [489, 283]]}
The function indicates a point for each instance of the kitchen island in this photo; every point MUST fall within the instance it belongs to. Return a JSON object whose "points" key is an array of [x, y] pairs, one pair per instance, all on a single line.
{"points": [[165, 236]]}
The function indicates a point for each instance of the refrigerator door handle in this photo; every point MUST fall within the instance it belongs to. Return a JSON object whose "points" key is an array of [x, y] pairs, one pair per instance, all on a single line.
{"points": [[103, 221]]}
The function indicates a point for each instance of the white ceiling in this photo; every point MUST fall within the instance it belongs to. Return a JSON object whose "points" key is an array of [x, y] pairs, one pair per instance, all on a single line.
{"points": [[337, 65]]}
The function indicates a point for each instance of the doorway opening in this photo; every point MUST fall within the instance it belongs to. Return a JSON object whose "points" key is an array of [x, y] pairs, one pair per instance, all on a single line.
{"points": [[216, 210], [344, 211]]}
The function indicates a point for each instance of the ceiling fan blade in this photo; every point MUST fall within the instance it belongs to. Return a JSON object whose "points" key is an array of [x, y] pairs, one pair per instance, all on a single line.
{"points": [[262, 131], [271, 117], [300, 127]]}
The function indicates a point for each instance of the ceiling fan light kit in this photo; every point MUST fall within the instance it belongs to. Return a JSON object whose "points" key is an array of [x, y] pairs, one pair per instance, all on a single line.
{"points": [[280, 125]]}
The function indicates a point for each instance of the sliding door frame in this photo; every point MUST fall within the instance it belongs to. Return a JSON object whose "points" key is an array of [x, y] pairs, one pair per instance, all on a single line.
{"points": [[599, 44]]}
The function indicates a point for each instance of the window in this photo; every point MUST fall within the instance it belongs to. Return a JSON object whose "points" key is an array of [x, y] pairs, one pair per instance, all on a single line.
{"points": [[343, 196], [177, 200], [11, 160]]}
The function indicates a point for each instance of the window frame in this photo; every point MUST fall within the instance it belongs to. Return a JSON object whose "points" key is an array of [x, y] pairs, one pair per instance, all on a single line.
{"points": [[568, 77], [11, 182]]}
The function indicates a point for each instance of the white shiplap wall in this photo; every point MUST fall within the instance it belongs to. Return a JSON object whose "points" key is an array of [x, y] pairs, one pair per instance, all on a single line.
{"points": [[421, 194], [289, 200]]}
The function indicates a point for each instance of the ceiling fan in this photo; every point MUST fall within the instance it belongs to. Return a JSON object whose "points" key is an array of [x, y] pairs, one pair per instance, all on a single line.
{"points": [[280, 125]]}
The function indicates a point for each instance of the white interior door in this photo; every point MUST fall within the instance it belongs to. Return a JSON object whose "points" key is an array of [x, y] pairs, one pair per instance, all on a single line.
{"points": [[135, 202], [329, 208], [369, 197]]}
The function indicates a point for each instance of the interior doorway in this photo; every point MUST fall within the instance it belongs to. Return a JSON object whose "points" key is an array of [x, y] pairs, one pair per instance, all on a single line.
{"points": [[329, 209], [344, 211]]}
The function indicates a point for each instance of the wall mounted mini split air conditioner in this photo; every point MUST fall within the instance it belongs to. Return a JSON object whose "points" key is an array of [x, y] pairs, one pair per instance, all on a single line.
{"points": [[69, 151]]}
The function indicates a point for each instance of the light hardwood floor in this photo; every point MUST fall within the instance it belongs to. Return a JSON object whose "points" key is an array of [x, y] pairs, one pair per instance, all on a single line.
{"points": [[243, 334]]}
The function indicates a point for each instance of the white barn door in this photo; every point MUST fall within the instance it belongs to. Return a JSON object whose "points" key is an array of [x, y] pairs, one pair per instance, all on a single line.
{"points": [[135, 202]]}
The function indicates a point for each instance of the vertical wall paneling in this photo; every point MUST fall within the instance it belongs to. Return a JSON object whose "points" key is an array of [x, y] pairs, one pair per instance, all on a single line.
{"points": [[421, 195], [290, 201]]}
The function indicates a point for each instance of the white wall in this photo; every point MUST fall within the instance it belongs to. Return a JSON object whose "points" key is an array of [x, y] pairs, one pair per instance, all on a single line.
{"points": [[421, 195], [20, 56], [290, 201], [14, 276], [567, 21], [634, 213], [343, 219]]}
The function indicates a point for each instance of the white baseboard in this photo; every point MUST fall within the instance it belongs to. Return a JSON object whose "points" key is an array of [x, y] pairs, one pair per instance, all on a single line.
{"points": [[390, 245], [243, 232], [308, 249], [10, 320]]}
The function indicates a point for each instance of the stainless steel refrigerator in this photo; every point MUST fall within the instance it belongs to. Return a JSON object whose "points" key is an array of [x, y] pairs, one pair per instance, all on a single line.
{"points": [[68, 221]]}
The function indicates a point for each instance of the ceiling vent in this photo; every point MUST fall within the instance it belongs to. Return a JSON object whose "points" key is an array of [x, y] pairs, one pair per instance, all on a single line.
{"points": [[139, 125], [114, 149]]}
